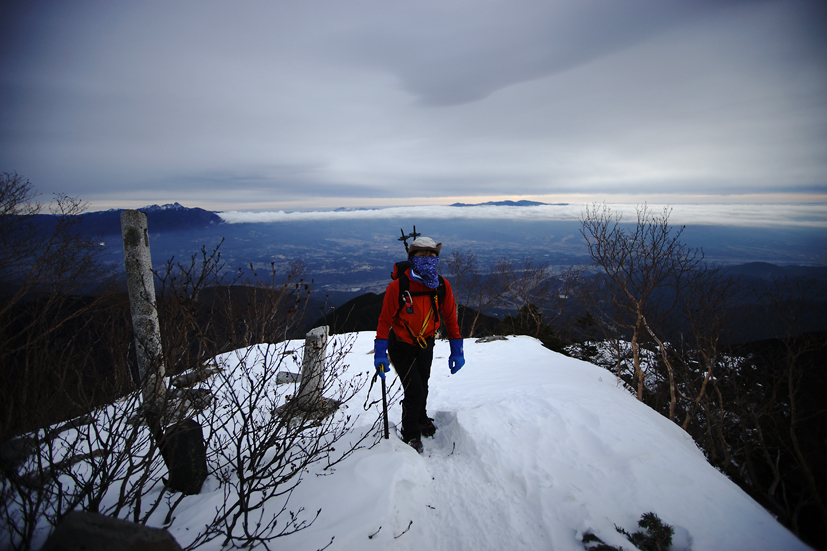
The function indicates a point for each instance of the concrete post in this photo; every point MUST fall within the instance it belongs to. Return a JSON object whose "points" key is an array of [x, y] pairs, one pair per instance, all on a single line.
{"points": [[312, 375], [144, 311], [182, 444]]}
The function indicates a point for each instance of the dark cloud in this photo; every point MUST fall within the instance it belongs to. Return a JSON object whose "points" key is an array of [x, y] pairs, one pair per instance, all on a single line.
{"points": [[305, 103], [446, 55]]}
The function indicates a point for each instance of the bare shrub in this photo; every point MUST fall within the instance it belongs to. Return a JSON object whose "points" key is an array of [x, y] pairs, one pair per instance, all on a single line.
{"points": [[60, 346], [52, 291], [639, 265], [473, 287]]}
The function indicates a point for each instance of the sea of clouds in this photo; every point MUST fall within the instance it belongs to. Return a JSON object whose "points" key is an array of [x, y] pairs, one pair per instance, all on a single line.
{"points": [[750, 215]]}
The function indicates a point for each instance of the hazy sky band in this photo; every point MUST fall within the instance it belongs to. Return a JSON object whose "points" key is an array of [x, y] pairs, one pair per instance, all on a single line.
{"points": [[784, 215], [322, 104]]}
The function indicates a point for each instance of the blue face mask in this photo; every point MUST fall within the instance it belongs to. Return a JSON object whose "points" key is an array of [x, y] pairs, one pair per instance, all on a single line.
{"points": [[426, 268]]}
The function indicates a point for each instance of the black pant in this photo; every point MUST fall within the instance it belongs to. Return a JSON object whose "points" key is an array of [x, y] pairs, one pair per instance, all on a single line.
{"points": [[413, 365]]}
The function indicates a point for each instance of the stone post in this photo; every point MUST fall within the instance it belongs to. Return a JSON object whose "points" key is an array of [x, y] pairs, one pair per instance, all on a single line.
{"points": [[181, 444], [144, 311], [312, 375]]}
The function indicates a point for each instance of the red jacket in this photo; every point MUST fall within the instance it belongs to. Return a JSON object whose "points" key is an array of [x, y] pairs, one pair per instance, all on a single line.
{"points": [[422, 322]]}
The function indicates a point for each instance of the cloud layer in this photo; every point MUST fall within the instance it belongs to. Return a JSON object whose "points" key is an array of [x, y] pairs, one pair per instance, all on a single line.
{"points": [[323, 104], [813, 216]]}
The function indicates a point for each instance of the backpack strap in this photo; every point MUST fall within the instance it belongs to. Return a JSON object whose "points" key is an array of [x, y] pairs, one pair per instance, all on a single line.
{"points": [[400, 270], [437, 295]]}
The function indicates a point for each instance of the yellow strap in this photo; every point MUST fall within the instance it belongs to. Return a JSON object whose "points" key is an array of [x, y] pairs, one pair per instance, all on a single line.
{"points": [[425, 322], [420, 339]]}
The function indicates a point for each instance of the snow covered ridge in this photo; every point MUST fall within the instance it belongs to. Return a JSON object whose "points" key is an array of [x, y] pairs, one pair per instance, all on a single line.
{"points": [[533, 450], [168, 206]]}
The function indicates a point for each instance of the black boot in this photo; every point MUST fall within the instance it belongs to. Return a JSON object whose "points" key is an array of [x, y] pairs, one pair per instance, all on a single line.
{"points": [[414, 441], [416, 444], [427, 428]]}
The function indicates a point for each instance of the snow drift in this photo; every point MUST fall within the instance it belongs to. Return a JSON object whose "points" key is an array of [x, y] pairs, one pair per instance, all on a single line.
{"points": [[533, 450]]}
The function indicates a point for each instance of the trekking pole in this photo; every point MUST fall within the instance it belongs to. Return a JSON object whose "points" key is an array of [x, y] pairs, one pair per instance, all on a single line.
{"points": [[385, 408]]}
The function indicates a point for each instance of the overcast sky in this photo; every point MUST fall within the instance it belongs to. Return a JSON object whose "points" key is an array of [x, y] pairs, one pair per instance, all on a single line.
{"points": [[311, 104]]}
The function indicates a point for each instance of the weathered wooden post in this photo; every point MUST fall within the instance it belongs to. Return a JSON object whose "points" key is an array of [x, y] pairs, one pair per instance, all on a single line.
{"points": [[309, 397], [144, 311]]}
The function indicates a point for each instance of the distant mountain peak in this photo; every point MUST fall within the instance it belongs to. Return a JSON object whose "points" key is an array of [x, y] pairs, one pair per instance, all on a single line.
{"points": [[168, 217], [352, 209], [168, 206], [506, 204]]}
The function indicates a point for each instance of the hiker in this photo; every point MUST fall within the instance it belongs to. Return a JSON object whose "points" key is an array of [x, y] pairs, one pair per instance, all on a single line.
{"points": [[417, 302]]}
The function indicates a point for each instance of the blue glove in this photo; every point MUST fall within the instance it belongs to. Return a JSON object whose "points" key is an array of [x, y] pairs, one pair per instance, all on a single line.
{"points": [[380, 357], [457, 358]]}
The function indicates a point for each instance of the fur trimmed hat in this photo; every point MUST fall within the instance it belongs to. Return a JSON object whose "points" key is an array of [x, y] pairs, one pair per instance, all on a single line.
{"points": [[424, 244]]}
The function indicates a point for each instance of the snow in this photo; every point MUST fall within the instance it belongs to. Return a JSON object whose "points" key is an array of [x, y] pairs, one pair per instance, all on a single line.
{"points": [[533, 449], [167, 206]]}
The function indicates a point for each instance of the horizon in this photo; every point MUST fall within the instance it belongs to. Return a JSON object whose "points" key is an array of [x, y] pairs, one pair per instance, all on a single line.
{"points": [[326, 204], [802, 215]]}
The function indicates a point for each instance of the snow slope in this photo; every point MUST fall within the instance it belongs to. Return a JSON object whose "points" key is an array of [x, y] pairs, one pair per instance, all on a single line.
{"points": [[533, 450]]}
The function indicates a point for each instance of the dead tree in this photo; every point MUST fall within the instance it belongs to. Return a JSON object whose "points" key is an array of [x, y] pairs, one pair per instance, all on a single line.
{"points": [[639, 262], [706, 301], [472, 286], [791, 417], [526, 289]]}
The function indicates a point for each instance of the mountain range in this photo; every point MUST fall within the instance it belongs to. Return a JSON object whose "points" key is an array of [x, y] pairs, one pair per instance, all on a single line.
{"points": [[505, 204], [349, 257]]}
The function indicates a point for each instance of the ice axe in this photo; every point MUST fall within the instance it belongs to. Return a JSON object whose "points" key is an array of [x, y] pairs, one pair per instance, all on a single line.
{"points": [[385, 408], [384, 398], [404, 238]]}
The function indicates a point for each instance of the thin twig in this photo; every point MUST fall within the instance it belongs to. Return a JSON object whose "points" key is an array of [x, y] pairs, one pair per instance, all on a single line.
{"points": [[404, 531]]}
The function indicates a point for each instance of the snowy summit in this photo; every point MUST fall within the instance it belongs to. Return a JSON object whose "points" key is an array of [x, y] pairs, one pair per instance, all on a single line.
{"points": [[533, 450]]}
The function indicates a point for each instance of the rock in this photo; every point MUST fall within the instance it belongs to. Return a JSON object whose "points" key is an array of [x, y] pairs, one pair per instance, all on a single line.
{"points": [[81, 531], [185, 455]]}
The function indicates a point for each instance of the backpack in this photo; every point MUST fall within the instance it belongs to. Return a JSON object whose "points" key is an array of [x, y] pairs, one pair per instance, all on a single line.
{"points": [[400, 270]]}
